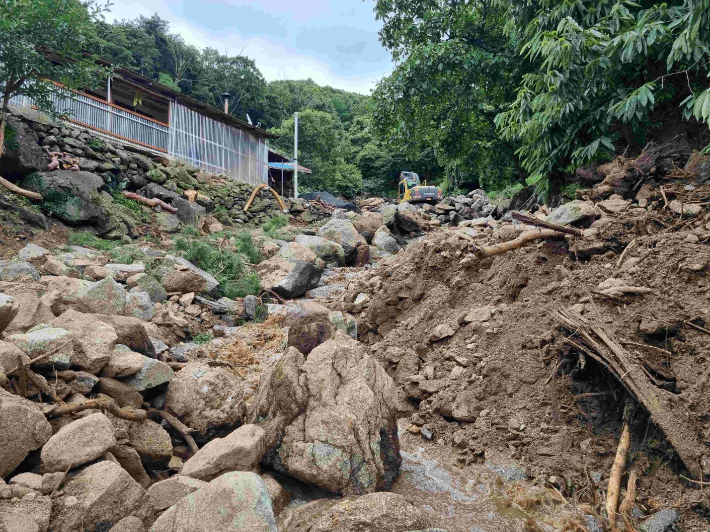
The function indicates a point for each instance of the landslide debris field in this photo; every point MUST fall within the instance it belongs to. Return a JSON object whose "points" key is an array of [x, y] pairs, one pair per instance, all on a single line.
{"points": [[457, 367]]}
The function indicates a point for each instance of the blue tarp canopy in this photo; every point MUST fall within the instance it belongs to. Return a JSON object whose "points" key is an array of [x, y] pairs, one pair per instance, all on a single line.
{"points": [[289, 167]]}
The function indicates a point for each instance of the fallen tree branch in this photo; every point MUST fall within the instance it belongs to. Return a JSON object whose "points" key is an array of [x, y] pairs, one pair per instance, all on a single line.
{"points": [[151, 202], [617, 470], [696, 327], [20, 191], [272, 294], [671, 416], [42, 385], [530, 236], [623, 253], [179, 426], [630, 498], [547, 225], [97, 404]]}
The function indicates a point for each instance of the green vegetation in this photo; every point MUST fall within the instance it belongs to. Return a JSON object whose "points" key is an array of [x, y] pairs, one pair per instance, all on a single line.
{"points": [[27, 27], [90, 240], [229, 268], [189, 231], [95, 144], [132, 205], [11, 139], [274, 224], [203, 338], [245, 246]]}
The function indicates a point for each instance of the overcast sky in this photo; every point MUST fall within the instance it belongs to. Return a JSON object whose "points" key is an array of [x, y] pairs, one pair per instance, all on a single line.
{"points": [[334, 42]]}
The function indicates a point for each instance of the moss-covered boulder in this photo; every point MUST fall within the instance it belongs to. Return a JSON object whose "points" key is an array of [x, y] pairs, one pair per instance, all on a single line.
{"points": [[70, 196]]}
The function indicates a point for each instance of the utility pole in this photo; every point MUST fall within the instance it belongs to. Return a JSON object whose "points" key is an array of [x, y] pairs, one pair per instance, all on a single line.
{"points": [[295, 155]]}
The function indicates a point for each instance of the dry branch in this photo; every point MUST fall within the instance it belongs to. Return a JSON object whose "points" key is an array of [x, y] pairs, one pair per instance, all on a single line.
{"points": [[617, 470], [547, 225], [39, 358], [179, 426], [97, 404], [630, 498], [20, 191], [530, 236], [670, 415], [151, 202]]}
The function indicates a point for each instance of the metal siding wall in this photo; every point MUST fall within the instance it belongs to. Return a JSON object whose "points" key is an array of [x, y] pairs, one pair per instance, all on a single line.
{"points": [[216, 147]]}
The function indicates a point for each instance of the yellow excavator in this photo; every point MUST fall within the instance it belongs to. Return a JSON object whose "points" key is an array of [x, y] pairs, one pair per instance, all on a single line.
{"points": [[412, 190]]}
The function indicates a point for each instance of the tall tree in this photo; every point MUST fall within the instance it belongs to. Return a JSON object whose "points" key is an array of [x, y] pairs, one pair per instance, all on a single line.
{"points": [[43, 40], [601, 65], [456, 70]]}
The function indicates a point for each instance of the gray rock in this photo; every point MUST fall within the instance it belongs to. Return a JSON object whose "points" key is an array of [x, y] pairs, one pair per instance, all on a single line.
{"points": [[384, 240], [140, 161], [504, 467], [222, 306], [70, 194], [154, 373], [388, 215], [189, 212], [344, 233], [661, 521], [124, 271], [139, 305], [155, 290], [571, 212], [167, 222], [593, 524], [102, 297], [32, 251], [181, 352], [250, 304], [234, 502], [325, 291], [289, 279], [326, 250], [159, 346], [16, 271], [24, 155], [166, 493]]}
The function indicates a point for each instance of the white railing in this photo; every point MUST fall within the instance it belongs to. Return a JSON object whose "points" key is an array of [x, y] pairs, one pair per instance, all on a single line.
{"points": [[191, 136], [108, 119], [217, 147]]}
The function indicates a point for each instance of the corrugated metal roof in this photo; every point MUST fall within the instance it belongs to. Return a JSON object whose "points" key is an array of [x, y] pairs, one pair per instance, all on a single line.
{"points": [[289, 166]]}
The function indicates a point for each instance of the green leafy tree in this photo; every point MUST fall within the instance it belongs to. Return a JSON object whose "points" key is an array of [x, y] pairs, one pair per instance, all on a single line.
{"points": [[42, 40], [456, 70], [602, 68]]}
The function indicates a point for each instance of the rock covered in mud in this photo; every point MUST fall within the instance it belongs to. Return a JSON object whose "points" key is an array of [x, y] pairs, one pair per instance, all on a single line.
{"points": [[209, 400], [374, 511], [330, 419], [326, 250], [367, 224], [234, 502], [24, 429], [384, 240]]}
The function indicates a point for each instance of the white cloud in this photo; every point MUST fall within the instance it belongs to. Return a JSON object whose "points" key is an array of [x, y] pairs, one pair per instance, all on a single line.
{"points": [[277, 60]]}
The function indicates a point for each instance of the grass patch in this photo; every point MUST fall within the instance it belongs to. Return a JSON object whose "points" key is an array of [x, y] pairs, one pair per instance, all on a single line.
{"points": [[506, 192], [245, 245], [274, 224], [229, 268], [190, 230], [570, 191], [131, 205], [203, 338], [90, 240]]}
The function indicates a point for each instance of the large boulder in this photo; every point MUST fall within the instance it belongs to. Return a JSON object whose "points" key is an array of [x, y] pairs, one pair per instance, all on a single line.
{"points": [[289, 279], [31, 513], [330, 419], [211, 284], [131, 332], [370, 513], [344, 233], [294, 251], [9, 308], [18, 271], [152, 442], [326, 250], [239, 451], [33, 310], [8, 357], [367, 224], [99, 496], [24, 429], [574, 211], [94, 341], [78, 443], [311, 324], [152, 374], [70, 195], [42, 339], [102, 297], [234, 502], [166, 493], [384, 240], [209, 400], [22, 155]]}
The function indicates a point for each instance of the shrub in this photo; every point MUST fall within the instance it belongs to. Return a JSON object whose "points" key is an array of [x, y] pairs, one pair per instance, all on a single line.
{"points": [[274, 224], [203, 338], [245, 245], [95, 144]]}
